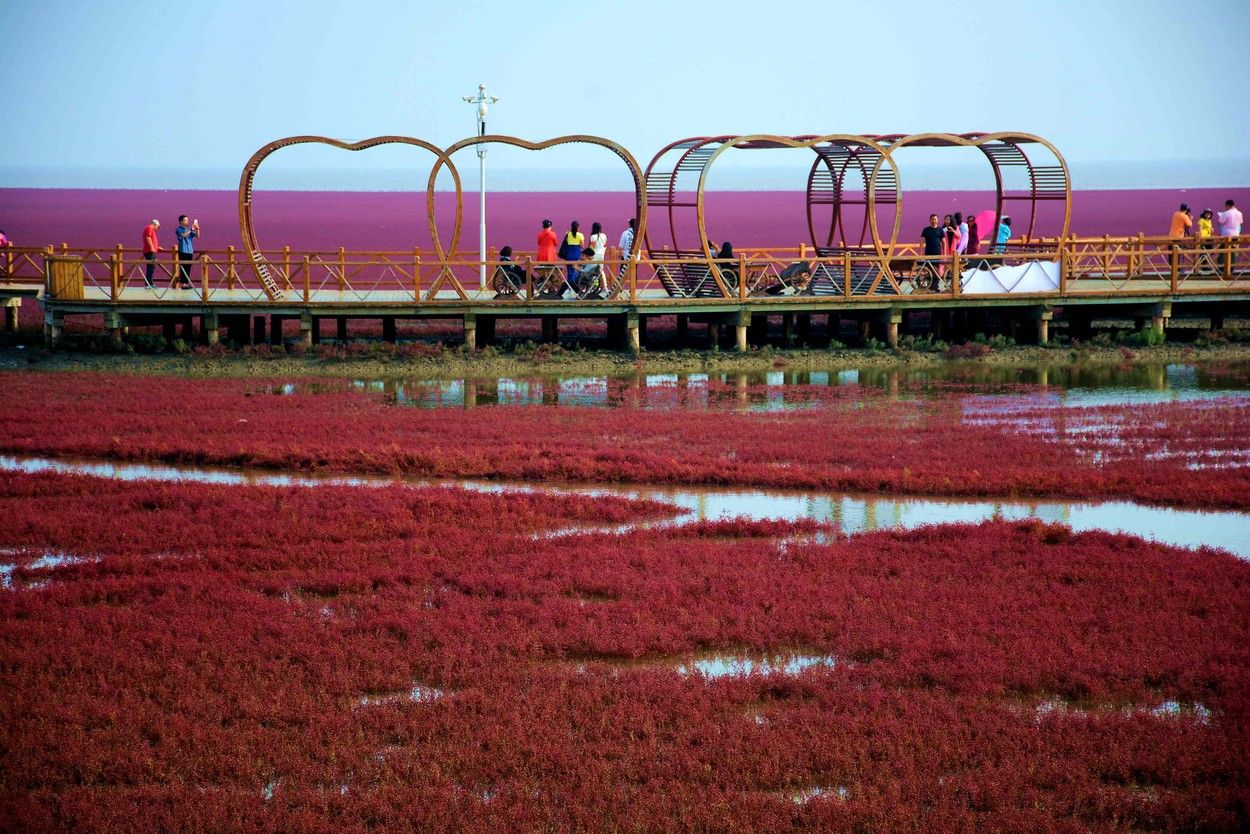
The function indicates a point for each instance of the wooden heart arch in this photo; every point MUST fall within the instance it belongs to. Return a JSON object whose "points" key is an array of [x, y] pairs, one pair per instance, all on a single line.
{"points": [[635, 172], [246, 225]]}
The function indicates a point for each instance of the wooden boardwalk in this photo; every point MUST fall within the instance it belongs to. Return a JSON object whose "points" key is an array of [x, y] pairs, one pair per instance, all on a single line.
{"points": [[1143, 278]]}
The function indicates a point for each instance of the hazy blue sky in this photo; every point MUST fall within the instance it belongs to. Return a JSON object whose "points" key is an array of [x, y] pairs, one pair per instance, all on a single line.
{"points": [[200, 85]]}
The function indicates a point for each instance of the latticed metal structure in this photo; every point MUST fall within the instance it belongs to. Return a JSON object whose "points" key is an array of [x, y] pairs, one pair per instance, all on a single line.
{"points": [[850, 172]]}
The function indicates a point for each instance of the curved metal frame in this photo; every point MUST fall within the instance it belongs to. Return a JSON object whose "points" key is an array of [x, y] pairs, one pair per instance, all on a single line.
{"points": [[827, 179], [1003, 150], [634, 169], [248, 178]]}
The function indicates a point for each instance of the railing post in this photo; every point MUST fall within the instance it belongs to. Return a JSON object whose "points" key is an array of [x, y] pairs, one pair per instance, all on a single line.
{"points": [[175, 276], [846, 274], [742, 277], [633, 281], [1175, 265], [231, 271], [286, 266], [204, 278], [956, 274], [416, 275], [529, 278], [343, 269], [115, 276], [1106, 256], [307, 278], [47, 272], [1063, 266], [120, 261]]}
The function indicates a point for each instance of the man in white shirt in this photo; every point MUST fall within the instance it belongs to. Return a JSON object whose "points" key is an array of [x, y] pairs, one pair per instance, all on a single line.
{"points": [[627, 239], [1230, 220], [1230, 226]]}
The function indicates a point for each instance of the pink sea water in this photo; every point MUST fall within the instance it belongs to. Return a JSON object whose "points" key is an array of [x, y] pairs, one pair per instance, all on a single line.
{"points": [[395, 221]]}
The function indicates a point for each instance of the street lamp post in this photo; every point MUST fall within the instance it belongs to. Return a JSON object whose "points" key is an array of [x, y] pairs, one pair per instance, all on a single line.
{"points": [[481, 100]]}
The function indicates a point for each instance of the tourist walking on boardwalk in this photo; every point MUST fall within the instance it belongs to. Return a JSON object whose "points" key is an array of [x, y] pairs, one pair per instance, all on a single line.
{"points": [[151, 247], [962, 226], [571, 249], [546, 243], [186, 249], [598, 241], [974, 235], [1182, 222]]}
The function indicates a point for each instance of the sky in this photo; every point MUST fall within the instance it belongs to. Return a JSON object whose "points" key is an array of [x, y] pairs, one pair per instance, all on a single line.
{"points": [[144, 93]]}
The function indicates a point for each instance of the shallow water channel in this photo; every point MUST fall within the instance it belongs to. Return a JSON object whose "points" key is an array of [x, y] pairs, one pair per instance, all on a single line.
{"points": [[850, 513], [1067, 385]]}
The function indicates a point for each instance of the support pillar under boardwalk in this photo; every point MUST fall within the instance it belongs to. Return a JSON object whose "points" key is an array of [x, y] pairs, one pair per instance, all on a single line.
{"points": [[713, 334], [305, 329], [1162, 313], [633, 335], [740, 331], [188, 329], [10, 314], [114, 323], [470, 331], [388, 329], [258, 330], [551, 329], [683, 329], [1043, 316], [616, 332], [169, 329], [892, 320], [209, 327], [316, 330], [53, 328], [275, 330], [341, 328]]}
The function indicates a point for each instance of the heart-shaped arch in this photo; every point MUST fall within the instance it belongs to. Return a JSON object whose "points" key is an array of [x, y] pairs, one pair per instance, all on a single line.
{"points": [[634, 171], [248, 229]]}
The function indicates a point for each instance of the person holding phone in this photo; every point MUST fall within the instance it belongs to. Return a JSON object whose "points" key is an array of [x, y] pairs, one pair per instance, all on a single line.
{"points": [[187, 233]]}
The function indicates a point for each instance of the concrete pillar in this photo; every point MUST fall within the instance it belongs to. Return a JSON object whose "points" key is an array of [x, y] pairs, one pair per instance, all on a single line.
{"points": [[683, 329], [743, 325], [865, 330], [113, 323], [341, 326], [803, 321], [1043, 315], [388, 329], [275, 330], [1162, 312], [893, 320], [470, 331], [188, 330], [305, 329], [169, 329], [258, 330], [10, 314], [316, 331], [787, 329], [209, 325], [53, 328], [633, 336], [713, 334]]}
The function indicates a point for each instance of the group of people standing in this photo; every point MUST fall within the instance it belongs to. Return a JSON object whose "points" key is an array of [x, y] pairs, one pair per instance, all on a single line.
{"points": [[956, 234], [1230, 221], [188, 230]]}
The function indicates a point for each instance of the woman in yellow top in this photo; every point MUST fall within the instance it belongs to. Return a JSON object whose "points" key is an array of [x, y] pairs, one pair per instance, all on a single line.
{"points": [[1205, 230]]}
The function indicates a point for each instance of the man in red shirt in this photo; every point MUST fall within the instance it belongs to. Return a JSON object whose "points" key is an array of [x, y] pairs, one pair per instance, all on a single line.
{"points": [[546, 243], [150, 248]]}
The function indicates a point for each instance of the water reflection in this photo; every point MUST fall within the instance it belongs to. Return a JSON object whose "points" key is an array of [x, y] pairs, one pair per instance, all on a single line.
{"points": [[1068, 385], [850, 513]]}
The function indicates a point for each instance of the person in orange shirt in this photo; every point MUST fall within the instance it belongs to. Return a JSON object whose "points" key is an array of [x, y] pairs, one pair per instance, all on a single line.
{"points": [[1181, 222]]}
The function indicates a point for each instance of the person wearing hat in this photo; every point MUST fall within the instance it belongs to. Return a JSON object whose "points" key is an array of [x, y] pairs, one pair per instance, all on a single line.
{"points": [[1181, 222]]}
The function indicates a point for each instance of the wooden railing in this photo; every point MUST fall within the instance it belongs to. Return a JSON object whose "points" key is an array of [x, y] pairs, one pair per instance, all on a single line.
{"points": [[1049, 268]]}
